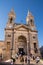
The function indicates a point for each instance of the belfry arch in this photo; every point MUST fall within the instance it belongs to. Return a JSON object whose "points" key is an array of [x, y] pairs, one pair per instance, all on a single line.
{"points": [[22, 44]]}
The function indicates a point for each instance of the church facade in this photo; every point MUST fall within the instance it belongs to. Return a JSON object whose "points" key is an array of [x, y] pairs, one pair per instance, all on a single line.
{"points": [[20, 38]]}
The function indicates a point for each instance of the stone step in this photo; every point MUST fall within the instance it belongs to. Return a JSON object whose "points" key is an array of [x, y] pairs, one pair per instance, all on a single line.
{"points": [[32, 61]]}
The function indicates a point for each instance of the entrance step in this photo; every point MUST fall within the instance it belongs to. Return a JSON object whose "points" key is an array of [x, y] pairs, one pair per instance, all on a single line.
{"points": [[32, 61]]}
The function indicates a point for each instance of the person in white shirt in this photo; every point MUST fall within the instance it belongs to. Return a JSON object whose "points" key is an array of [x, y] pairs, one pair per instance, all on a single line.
{"points": [[37, 59]]}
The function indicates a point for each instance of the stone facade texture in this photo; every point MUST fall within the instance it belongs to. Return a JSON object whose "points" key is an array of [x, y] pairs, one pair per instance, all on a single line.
{"points": [[20, 36]]}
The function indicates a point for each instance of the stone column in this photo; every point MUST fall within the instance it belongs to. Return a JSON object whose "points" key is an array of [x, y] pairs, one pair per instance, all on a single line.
{"points": [[28, 53]]}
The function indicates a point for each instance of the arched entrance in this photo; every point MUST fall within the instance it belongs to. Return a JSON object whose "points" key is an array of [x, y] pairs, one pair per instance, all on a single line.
{"points": [[22, 48]]}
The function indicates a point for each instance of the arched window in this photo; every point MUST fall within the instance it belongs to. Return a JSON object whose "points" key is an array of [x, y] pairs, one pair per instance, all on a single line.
{"points": [[8, 45], [34, 45], [9, 35], [31, 22], [35, 48], [11, 20]]}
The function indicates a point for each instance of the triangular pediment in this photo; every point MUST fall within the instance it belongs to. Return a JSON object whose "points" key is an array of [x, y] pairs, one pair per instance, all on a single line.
{"points": [[21, 27]]}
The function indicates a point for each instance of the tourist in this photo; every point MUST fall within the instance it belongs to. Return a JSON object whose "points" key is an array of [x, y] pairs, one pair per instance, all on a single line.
{"points": [[11, 62], [37, 59]]}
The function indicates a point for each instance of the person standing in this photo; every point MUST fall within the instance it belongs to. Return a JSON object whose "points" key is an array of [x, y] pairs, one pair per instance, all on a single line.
{"points": [[37, 60]]}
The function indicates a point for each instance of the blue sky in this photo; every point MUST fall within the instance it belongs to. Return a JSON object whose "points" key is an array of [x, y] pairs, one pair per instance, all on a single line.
{"points": [[21, 8]]}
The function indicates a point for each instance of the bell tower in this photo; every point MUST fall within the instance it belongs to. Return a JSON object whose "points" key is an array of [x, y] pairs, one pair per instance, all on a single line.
{"points": [[11, 19], [30, 21], [12, 15], [33, 35], [9, 34]]}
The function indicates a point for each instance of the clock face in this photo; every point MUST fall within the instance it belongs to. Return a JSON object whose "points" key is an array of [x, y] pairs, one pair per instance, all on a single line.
{"points": [[33, 28], [10, 26]]}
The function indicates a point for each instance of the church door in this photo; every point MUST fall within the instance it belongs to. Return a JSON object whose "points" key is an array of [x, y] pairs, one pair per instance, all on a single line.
{"points": [[22, 48]]}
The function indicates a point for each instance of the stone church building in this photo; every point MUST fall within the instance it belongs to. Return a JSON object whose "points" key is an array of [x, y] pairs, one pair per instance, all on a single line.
{"points": [[19, 38]]}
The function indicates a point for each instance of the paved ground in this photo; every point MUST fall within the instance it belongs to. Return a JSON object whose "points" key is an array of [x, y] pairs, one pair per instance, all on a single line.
{"points": [[3, 63], [15, 64]]}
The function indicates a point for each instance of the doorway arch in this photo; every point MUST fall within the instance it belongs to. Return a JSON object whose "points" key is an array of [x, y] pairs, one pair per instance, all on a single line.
{"points": [[22, 44]]}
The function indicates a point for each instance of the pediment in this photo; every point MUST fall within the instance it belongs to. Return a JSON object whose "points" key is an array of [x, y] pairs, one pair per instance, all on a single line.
{"points": [[21, 27]]}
